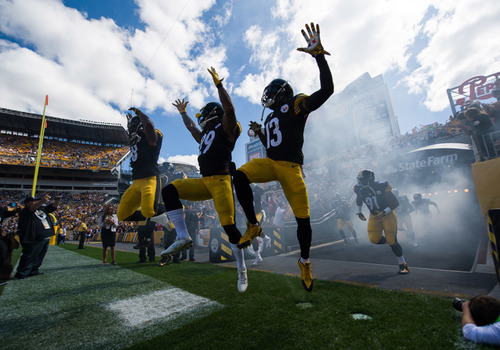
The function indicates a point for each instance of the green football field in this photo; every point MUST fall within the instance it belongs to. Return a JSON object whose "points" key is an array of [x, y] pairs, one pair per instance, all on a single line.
{"points": [[80, 304]]}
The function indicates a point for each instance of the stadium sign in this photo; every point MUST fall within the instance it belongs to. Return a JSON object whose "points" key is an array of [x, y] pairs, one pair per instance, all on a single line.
{"points": [[475, 88], [429, 164], [428, 161], [254, 149]]}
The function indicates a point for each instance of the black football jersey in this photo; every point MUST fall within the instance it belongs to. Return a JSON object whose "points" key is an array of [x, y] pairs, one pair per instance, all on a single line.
{"points": [[144, 157], [215, 151], [373, 196], [422, 205], [284, 130]]}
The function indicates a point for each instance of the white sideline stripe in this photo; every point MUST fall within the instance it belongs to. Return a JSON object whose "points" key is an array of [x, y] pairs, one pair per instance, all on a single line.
{"points": [[163, 304]]}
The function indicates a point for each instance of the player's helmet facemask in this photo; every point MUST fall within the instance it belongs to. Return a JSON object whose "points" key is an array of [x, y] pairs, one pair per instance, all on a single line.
{"points": [[212, 111], [277, 93], [134, 126]]}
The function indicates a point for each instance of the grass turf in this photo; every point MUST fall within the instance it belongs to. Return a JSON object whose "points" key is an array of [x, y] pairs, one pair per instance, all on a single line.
{"points": [[276, 313]]}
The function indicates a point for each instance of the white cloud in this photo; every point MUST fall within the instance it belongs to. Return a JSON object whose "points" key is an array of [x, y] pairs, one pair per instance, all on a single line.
{"points": [[87, 66], [462, 44], [186, 159]]}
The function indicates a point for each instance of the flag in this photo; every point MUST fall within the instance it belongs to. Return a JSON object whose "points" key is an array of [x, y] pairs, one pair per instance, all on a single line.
{"points": [[46, 100]]}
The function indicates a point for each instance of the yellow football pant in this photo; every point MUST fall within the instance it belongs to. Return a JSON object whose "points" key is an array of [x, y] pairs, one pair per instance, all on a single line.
{"points": [[217, 187], [387, 224], [141, 193], [288, 174]]}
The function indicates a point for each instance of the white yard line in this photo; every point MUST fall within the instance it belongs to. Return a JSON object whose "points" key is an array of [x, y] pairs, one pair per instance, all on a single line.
{"points": [[79, 304]]}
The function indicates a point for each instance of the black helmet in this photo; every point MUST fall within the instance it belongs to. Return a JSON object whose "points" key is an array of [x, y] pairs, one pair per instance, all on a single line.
{"points": [[211, 111], [133, 124], [417, 196], [276, 93], [366, 176]]}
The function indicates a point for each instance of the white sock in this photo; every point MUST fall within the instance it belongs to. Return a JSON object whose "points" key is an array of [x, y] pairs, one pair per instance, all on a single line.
{"points": [[239, 254], [401, 259], [304, 261], [179, 220]]}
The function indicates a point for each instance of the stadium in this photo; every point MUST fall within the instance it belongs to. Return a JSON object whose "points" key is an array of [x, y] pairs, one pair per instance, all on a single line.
{"points": [[136, 306]]}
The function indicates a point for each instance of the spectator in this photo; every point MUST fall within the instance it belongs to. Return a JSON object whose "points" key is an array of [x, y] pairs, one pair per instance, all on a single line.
{"points": [[193, 227], [35, 229], [108, 224], [82, 233], [145, 230], [61, 236]]}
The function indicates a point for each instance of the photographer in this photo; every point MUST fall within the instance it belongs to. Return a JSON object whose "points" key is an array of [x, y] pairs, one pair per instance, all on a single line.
{"points": [[480, 319], [35, 229]]}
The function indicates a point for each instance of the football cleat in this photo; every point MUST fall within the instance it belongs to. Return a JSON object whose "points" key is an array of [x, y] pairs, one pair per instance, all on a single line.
{"points": [[251, 233], [403, 269], [257, 260], [242, 280], [306, 275], [178, 246], [165, 260]]}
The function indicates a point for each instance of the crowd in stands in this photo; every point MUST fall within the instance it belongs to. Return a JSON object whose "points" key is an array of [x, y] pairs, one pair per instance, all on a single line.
{"points": [[22, 150]]}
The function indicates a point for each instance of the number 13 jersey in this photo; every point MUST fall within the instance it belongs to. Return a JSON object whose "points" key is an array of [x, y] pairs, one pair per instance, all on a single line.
{"points": [[284, 130]]}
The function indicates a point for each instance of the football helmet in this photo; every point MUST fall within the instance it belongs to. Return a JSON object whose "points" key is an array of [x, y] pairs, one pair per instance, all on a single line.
{"points": [[366, 177], [417, 196], [276, 93], [134, 126], [211, 111]]}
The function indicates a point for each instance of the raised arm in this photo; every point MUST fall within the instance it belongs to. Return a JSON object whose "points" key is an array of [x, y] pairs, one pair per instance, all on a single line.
{"points": [[188, 122], [148, 125], [315, 49], [229, 122]]}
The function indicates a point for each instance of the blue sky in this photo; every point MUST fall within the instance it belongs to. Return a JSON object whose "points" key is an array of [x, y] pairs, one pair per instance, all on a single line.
{"points": [[97, 58]]}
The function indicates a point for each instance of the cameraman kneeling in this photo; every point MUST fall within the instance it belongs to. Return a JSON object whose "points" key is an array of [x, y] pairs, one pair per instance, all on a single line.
{"points": [[480, 319]]}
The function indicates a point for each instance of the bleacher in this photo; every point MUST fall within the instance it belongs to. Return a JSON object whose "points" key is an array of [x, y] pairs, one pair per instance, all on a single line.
{"points": [[76, 156]]}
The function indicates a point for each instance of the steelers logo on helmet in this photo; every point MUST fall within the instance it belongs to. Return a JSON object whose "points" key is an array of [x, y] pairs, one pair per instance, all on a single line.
{"points": [[366, 177], [278, 92], [212, 111]]}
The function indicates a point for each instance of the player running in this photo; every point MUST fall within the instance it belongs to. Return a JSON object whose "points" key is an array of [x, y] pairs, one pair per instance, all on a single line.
{"points": [[381, 202]]}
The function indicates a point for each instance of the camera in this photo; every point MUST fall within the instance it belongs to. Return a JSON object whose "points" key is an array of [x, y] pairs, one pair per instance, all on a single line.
{"points": [[457, 304]]}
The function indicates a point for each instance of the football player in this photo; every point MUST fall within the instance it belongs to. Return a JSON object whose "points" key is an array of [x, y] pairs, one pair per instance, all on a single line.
{"points": [[218, 134], [403, 212], [144, 192], [283, 137], [422, 205], [381, 202], [343, 214]]}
